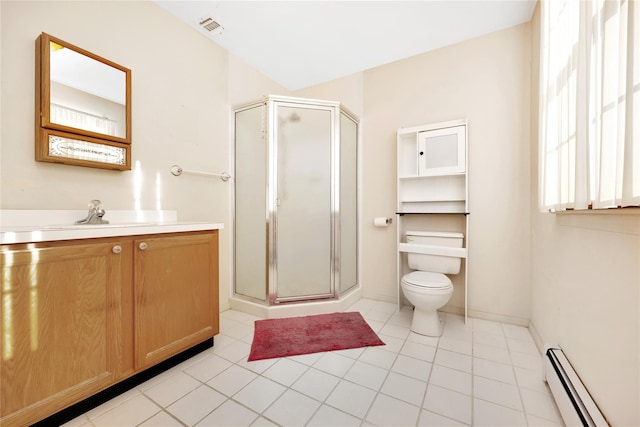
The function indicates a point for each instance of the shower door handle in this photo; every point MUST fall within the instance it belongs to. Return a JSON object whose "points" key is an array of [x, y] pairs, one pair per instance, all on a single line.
{"points": [[277, 201]]}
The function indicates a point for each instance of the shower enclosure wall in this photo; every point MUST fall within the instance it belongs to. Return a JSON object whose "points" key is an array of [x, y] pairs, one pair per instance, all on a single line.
{"points": [[295, 199]]}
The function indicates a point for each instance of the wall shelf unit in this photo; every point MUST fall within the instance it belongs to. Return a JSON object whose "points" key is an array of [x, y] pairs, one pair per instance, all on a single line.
{"points": [[433, 193]]}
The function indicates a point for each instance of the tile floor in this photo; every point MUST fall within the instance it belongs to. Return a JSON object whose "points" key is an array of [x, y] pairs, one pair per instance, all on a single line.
{"points": [[481, 373]]}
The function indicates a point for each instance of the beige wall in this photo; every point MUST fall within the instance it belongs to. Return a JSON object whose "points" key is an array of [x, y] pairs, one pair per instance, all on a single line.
{"points": [[180, 111], [586, 290], [485, 80], [247, 85]]}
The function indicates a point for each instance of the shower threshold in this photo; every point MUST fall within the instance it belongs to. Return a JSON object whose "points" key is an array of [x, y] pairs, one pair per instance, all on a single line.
{"points": [[293, 309]]}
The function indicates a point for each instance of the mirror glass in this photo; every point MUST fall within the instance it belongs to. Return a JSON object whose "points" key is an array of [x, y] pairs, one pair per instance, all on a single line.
{"points": [[85, 93]]}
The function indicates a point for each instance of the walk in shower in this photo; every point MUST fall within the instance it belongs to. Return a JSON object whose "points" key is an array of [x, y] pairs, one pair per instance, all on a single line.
{"points": [[295, 204]]}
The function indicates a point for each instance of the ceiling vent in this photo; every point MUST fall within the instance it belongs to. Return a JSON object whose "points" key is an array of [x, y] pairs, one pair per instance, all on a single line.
{"points": [[211, 25]]}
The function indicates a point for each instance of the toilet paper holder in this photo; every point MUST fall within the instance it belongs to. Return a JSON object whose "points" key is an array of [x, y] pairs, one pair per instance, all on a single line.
{"points": [[382, 222]]}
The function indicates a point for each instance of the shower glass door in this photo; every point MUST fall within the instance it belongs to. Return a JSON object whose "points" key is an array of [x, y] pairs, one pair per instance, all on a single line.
{"points": [[303, 205]]}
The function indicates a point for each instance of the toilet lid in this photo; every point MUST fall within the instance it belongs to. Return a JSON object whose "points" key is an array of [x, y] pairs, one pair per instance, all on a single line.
{"points": [[427, 279]]}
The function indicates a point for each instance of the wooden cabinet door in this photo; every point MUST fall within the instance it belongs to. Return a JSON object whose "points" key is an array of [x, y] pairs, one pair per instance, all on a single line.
{"points": [[176, 294], [60, 314]]}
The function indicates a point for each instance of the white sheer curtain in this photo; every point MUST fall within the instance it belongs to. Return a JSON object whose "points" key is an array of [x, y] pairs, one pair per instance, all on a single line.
{"points": [[589, 104], [81, 120]]}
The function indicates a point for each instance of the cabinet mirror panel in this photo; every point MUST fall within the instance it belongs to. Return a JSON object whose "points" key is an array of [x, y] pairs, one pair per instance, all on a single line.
{"points": [[81, 94]]}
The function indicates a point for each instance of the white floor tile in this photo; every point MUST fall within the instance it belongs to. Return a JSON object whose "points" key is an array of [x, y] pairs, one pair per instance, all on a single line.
{"points": [[334, 364], [517, 332], [378, 357], [327, 416], [489, 352], [497, 392], [316, 384], [540, 404], [488, 326], [423, 339], [366, 375], [130, 413], [418, 351], [177, 386], [532, 379], [487, 414], [487, 338], [377, 316], [411, 367], [196, 405], [456, 345], [391, 343], [208, 368], [494, 370], [229, 382], [451, 379], [352, 353], [519, 346], [306, 359], [235, 351], [229, 414], [118, 400], [81, 421], [449, 403], [387, 411], [450, 359], [527, 361], [395, 331], [263, 422], [401, 318], [285, 371], [351, 398], [404, 388], [431, 419], [292, 409], [257, 366], [480, 372], [259, 394], [240, 331], [161, 419]]}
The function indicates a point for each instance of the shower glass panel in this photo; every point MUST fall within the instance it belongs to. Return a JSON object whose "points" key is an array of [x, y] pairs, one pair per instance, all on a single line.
{"points": [[303, 206], [250, 178], [348, 203]]}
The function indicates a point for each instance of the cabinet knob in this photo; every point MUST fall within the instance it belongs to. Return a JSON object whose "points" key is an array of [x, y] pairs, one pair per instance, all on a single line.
{"points": [[117, 249], [142, 246]]}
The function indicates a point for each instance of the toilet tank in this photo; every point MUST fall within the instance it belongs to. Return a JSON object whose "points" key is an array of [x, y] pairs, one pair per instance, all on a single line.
{"points": [[434, 263]]}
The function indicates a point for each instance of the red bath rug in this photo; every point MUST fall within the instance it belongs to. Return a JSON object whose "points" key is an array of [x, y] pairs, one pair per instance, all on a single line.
{"points": [[310, 334]]}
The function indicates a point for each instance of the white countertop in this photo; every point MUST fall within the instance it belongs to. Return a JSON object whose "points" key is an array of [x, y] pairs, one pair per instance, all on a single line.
{"points": [[13, 230]]}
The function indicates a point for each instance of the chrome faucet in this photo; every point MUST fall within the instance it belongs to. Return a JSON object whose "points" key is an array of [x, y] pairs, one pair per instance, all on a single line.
{"points": [[96, 212]]}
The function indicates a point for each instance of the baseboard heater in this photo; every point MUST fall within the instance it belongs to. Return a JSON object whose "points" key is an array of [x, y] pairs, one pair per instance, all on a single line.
{"points": [[572, 398]]}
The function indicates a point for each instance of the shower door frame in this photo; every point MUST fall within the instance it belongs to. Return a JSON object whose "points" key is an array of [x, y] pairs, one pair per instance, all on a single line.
{"points": [[272, 195]]}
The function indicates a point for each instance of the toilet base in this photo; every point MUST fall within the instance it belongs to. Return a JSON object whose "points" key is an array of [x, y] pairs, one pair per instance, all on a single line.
{"points": [[426, 322]]}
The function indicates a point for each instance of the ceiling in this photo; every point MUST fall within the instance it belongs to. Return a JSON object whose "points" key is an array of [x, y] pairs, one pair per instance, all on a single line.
{"points": [[306, 42]]}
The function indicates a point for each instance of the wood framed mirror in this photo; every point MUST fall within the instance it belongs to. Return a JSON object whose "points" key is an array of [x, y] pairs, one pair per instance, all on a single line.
{"points": [[83, 107]]}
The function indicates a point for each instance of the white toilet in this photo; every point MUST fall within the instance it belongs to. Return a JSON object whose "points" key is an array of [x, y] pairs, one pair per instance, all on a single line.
{"points": [[428, 289]]}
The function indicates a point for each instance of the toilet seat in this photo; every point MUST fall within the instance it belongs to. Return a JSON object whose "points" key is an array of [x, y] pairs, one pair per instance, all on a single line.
{"points": [[428, 280]]}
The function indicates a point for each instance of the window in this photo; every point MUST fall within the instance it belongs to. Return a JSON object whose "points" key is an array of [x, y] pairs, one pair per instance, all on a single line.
{"points": [[589, 104]]}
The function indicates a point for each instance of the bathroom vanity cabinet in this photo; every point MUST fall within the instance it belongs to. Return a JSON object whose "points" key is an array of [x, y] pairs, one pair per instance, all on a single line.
{"points": [[174, 287], [81, 315], [432, 190]]}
